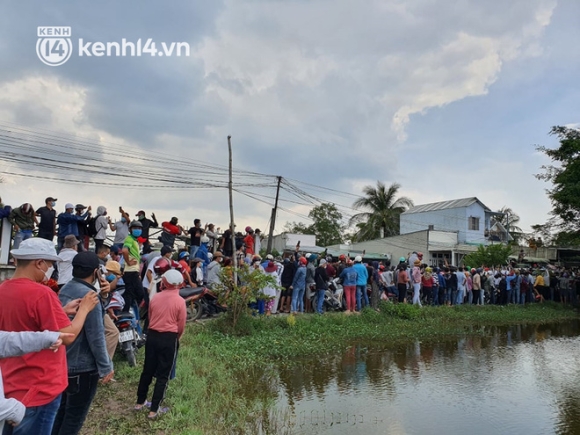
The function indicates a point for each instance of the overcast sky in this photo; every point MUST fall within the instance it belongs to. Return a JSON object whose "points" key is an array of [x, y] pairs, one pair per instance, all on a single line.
{"points": [[447, 98]]}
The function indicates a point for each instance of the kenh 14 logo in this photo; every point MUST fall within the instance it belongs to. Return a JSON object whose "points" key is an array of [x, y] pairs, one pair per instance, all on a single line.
{"points": [[54, 46]]}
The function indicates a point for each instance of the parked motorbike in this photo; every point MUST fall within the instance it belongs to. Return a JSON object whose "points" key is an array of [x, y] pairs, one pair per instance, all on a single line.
{"points": [[200, 301], [129, 338], [333, 297]]}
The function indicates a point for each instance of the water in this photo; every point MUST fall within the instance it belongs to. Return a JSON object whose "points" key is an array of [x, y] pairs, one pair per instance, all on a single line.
{"points": [[517, 380]]}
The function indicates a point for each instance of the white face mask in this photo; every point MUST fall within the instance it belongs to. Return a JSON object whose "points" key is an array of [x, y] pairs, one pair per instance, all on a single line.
{"points": [[48, 272]]}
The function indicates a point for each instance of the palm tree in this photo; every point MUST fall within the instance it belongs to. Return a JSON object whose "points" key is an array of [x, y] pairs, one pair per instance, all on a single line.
{"points": [[510, 219], [380, 210]]}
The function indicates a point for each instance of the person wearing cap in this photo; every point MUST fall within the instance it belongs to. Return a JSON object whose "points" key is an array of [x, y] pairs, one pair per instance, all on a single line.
{"points": [[68, 223], [39, 379], [183, 258], [213, 270], [47, 214], [131, 253], [83, 227], [147, 223], [23, 220], [249, 242], [87, 358], [167, 316], [361, 283], [166, 252], [171, 229], [66, 255]]}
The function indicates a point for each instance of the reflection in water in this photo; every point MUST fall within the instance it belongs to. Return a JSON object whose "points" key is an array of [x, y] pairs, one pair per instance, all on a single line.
{"points": [[521, 379]]}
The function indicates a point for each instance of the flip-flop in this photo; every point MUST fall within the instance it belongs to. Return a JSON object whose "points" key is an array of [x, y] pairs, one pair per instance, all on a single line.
{"points": [[158, 413]]}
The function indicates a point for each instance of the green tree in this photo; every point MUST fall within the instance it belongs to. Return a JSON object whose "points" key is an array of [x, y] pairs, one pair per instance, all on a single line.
{"points": [[488, 256], [564, 174], [381, 209], [510, 220], [326, 225]]}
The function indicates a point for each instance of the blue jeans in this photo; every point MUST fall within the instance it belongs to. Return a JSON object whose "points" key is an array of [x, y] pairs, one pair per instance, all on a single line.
{"points": [[320, 300], [435, 295], [361, 290], [459, 297], [523, 298], [516, 296], [20, 236], [75, 403], [297, 300], [38, 420], [192, 251], [508, 295]]}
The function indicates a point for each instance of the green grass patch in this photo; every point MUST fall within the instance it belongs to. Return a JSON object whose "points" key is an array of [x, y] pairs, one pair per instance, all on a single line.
{"points": [[224, 382]]}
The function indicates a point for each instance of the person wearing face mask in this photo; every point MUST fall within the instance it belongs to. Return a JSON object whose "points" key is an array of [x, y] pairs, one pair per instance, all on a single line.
{"points": [[132, 256], [66, 255], [39, 379], [23, 220], [121, 228], [87, 358], [68, 223], [47, 214], [101, 224], [147, 223]]}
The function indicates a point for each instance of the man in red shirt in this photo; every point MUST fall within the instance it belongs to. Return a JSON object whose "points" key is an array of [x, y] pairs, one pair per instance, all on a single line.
{"points": [[167, 316], [37, 380], [249, 242], [171, 229]]}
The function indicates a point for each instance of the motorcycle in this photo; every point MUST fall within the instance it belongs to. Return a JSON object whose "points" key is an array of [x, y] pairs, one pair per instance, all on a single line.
{"points": [[200, 301], [333, 297], [129, 338]]}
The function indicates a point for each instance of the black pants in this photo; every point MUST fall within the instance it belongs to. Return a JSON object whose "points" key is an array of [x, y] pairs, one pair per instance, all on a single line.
{"points": [[160, 352], [98, 244], [402, 288], [48, 235], [75, 403], [133, 290]]}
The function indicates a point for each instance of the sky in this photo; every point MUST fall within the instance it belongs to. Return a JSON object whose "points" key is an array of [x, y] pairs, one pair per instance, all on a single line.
{"points": [[446, 98]]}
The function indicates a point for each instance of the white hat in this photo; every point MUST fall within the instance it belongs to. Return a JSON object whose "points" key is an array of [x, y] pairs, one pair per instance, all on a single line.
{"points": [[322, 261], [269, 257], [204, 239], [173, 277], [68, 205], [358, 259], [307, 255], [36, 249]]}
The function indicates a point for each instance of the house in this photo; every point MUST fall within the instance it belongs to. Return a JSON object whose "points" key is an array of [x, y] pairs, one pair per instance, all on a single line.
{"points": [[468, 217], [287, 242]]}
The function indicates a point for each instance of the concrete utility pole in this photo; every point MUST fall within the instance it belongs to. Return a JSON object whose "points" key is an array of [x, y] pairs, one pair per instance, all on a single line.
{"points": [[232, 228], [273, 218]]}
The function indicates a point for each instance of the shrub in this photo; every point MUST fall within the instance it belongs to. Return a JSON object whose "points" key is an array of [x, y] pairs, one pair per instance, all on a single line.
{"points": [[399, 311]]}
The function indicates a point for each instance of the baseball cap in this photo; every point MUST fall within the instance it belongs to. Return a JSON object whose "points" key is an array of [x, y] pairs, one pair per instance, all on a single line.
{"points": [[86, 260], [79, 207], [140, 212], [36, 249], [68, 205], [173, 277], [50, 198]]}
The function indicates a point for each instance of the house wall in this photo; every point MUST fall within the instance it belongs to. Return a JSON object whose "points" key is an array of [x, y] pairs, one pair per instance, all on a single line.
{"points": [[288, 240], [453, 219]]}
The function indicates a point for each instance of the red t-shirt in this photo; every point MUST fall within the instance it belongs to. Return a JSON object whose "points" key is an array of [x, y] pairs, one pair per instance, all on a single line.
{"points": [[36, 378], [249, 241]]}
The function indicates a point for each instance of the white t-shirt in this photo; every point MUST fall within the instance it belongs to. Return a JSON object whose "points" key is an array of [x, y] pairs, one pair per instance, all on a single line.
{"points": [[150, 267], [65, 268], [101, 225]]}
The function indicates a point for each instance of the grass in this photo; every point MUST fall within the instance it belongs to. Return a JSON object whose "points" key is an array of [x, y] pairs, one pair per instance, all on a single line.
{"points": [[224, 382]]}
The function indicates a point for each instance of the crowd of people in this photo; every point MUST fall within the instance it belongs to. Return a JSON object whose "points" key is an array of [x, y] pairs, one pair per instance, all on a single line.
{"points": [[72, 295]]}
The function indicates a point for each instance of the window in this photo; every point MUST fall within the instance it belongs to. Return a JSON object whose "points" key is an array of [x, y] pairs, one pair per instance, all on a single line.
{"points": [[473, 223]]}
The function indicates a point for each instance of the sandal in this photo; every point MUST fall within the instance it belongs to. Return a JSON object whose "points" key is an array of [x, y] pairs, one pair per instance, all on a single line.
{"points": [[158, 413]]}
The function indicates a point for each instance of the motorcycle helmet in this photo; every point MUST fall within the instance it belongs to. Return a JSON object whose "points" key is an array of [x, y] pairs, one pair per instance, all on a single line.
{"points": [[358, 259], [183, 255], [136, 224], [303, 261], [420, 254], [249, 230], [402, 260], [204, 239], [342, 257], [162, 265]]}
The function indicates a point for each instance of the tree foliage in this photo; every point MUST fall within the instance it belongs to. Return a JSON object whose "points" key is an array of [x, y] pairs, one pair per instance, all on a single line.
{"points": [[510, 220], [326, 225], [380, 209], [564, 174], [488, 256]]}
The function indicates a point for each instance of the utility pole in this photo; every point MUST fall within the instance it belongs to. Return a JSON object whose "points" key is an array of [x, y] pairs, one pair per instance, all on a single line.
{"points": [[232, 228], [273, 218]]}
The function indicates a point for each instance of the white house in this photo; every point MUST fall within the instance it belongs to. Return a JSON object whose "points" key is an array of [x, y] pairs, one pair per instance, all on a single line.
{"points": [[469, 217]]}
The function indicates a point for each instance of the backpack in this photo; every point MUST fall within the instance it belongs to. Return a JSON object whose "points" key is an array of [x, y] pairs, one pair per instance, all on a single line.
{"points": [[92, 227], [5, 212]]}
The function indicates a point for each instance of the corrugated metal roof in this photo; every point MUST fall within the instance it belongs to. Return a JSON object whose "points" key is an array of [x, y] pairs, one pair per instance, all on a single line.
{"points": [[444, 205]]}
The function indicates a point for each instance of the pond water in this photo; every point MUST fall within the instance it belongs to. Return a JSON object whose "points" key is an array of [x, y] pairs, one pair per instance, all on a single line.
{"points": [[516, 380]]}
